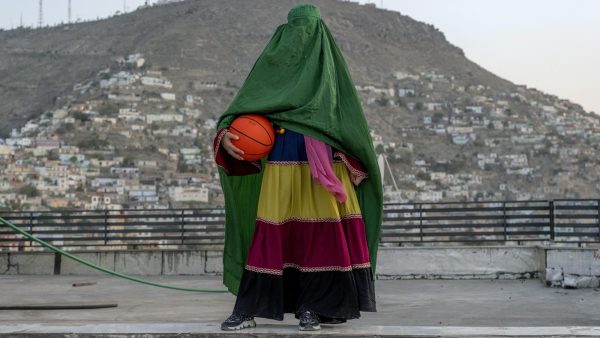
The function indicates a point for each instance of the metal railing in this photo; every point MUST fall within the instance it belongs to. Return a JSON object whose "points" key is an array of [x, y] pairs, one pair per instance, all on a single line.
{"points": [[565, 221], [573, 221]]}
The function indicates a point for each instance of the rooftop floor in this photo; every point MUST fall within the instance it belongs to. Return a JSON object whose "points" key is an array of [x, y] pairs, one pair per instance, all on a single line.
{"points": [[410, 308]]}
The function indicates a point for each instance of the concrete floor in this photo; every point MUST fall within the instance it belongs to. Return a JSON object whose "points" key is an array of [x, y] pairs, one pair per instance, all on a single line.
{"points": [[407, 307]]}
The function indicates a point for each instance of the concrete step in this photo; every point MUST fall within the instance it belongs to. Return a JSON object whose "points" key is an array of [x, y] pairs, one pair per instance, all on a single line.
{"points": [[163, 330]]}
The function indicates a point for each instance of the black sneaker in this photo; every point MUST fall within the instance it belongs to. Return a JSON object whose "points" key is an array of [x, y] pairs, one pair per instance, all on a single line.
{"points": [[309, 321], [237, 322]]}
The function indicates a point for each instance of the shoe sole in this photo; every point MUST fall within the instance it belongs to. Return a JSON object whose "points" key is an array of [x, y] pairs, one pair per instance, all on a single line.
{"points": [[243, 325], [310, 328]]}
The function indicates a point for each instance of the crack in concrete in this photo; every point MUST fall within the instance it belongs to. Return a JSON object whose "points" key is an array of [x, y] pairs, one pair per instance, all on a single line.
{"points": [[8, 265]]}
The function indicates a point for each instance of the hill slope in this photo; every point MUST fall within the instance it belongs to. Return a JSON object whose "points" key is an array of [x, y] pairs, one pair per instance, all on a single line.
{"points": [[211, 41], [451, 130]]}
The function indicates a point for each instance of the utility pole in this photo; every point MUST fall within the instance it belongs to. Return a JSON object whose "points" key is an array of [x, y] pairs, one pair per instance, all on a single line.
{"points": [[383, 163], [124, 6], [69, 13], [41, 14]]}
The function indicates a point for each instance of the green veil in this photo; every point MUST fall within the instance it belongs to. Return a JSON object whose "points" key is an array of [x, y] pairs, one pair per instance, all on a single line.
{"points": [[300, 82]]}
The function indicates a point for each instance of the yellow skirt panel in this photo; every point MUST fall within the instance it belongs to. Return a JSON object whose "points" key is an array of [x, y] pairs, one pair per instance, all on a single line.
{"points": [[288, 192]]}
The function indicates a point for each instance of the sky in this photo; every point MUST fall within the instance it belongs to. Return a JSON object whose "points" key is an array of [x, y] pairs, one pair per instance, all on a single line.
{"points": [[551, 45]]}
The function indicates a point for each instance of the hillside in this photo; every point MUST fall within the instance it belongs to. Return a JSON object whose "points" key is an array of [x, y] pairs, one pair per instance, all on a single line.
{"points": [[123, 110], [211, 41]]}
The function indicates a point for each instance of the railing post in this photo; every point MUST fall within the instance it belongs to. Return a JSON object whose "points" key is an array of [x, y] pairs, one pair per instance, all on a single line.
{"points": [[421, 221], [552, 224], [504, 220], [105, 226], [598, 217], [31, 228], [182, 226]]}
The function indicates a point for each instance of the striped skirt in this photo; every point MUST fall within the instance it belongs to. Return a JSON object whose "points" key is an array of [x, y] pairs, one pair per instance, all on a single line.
{"points": [[308, 252]]}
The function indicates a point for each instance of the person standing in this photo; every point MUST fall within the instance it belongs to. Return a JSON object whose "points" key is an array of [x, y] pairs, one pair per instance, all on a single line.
{"points": [[302, 227]]}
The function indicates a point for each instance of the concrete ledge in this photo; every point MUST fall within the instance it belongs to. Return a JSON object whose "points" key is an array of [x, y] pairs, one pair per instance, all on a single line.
{"points": [[572, 268], [139, 262], [3, 264], [183, 263], [214, 262], [28, 263], [460, 262], [164, 330], [552, 265], [573, 261], [103, 259]]}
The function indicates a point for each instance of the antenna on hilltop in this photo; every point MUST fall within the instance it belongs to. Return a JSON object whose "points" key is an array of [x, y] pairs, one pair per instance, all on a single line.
{"points": [[41, 14], [69, 13], [124, 6]]}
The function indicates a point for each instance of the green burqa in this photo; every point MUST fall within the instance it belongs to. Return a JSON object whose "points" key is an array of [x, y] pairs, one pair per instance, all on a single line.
{"points": [[300, 82]]}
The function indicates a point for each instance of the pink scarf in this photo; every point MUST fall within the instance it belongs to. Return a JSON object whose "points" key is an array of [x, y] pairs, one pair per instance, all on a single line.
{"points": [[320, 161]]}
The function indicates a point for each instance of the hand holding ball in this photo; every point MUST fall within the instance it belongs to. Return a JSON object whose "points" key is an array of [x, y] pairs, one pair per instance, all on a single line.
{"points": [[255, 136]]}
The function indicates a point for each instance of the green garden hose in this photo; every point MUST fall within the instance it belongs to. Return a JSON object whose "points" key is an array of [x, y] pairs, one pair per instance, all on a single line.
{"points": [[93, 266]]}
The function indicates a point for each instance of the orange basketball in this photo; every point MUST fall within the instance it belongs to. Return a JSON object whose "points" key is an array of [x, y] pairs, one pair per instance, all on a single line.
{"points": [[256, 136]]}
